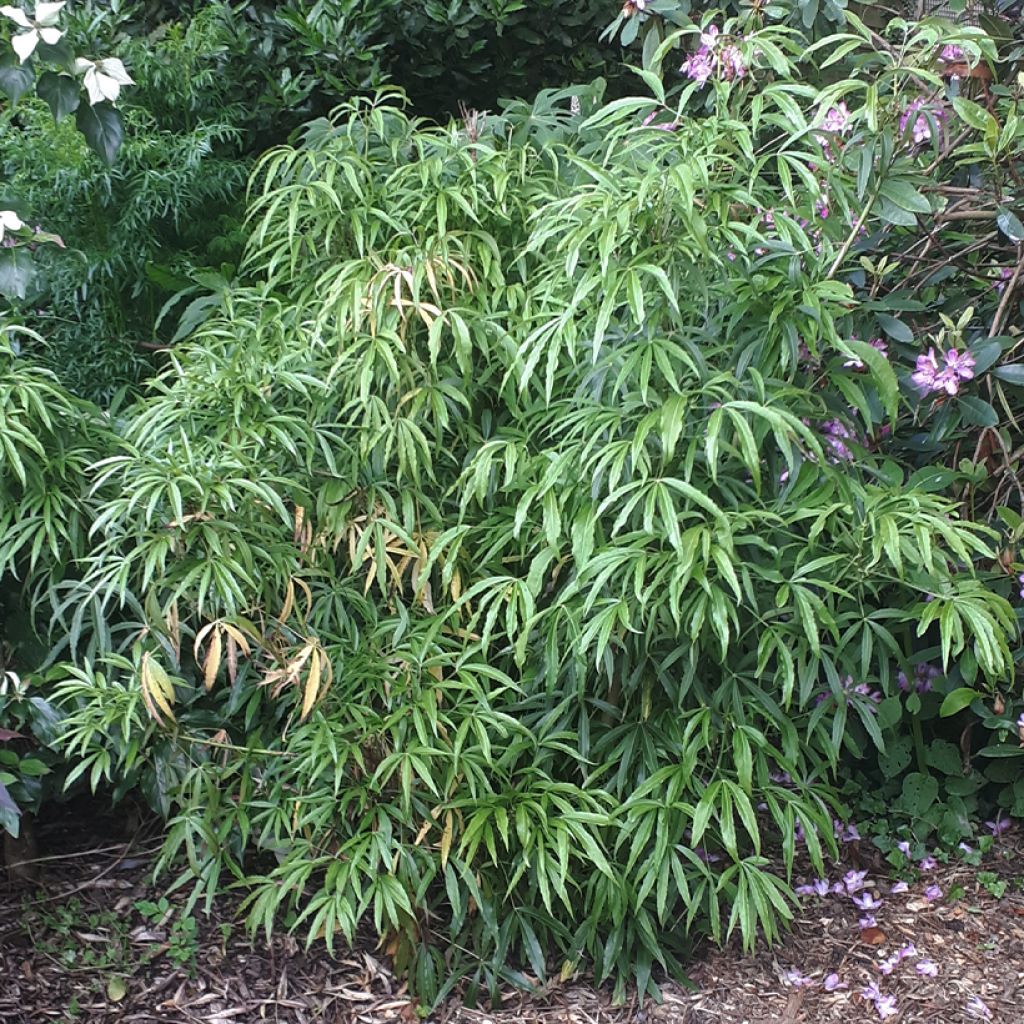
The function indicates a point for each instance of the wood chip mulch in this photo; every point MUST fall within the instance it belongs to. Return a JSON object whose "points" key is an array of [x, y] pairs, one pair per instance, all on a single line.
{"points": [[78, 950]]}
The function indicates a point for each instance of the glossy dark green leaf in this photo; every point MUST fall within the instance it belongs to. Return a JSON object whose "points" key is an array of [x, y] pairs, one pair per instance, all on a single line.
{"points": [[1012, 373], [15, 79], [17, 272], [895, 328], [1010, 225], [103, 129], [977, 411], [61, 92]]}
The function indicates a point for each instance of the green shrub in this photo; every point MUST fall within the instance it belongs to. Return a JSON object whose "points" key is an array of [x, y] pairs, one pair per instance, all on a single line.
{"points": [[518, 557]]}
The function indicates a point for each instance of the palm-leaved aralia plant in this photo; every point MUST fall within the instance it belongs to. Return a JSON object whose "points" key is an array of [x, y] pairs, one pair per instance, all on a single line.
{"points": [[503, 566]]}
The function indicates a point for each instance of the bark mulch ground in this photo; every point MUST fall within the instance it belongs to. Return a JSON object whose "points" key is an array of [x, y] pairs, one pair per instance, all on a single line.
{"points": [[78, 949]]}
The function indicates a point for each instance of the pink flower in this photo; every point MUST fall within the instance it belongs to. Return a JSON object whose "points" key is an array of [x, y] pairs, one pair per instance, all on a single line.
{"points": [[699, 67], [871, 992], [976, 1008], [899, 887], [959, 367], [926, 371], [956, 367], [932, 893], [846, 833], [833, 984], [920, 117], [888, 965], [928, 864], [837, 119], [709, 37], [904, 847], [865, 901], [1005, 273], [927, 968], [963, 846], [868, 921], [836, 434], [886, 1007], [908, 949], [854, 881], [951, 53], [731, 62], [999, 826], [796, 979], [875, 343]]}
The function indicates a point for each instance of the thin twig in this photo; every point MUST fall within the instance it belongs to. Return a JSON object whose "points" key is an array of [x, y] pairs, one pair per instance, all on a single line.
{"points": [[1004, 302]]}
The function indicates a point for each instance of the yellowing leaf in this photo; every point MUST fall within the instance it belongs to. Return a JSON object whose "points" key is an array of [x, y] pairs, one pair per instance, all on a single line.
{"points": [[157, 689], [446, 838], [212, 665]]}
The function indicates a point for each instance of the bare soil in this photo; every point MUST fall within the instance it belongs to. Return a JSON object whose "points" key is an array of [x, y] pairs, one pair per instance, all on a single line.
{"points": [[76, 949]]}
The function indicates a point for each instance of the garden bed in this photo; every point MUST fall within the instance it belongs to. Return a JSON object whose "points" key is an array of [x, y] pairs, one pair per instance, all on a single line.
{"points": [[95, 944]]}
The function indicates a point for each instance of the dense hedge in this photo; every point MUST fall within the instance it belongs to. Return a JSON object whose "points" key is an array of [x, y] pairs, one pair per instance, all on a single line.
{"points": [[517, 556]]}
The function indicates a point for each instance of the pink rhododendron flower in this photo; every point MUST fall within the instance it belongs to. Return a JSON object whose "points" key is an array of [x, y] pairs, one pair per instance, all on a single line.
{"points": [[867, 921], [930, 375], [833, 984], [928, 864], [927, 968], [904, 847], [919, 117], [899, 887], [951, 53], [907, 949], [926, 371], [865, 901], [933, 892]]}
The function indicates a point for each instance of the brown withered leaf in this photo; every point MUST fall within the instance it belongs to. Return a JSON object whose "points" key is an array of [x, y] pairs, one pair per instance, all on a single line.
{"points": [[872, 936]]}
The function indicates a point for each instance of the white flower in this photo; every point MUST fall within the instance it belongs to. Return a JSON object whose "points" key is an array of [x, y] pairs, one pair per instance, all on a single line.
{"points": [[103, 78], [40, 28], [9, 221]]}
